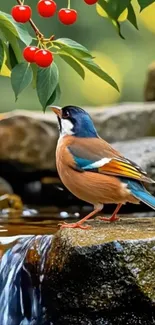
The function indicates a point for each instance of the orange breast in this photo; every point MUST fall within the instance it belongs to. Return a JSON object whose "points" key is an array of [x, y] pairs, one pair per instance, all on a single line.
{"points": [[88, 186]]}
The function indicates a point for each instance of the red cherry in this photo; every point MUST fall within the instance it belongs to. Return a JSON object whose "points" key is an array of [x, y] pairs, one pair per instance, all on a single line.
{"points": [[46, 8], [43, 58], [29, 53], [67, 16], [90, 2], [21, 14]]}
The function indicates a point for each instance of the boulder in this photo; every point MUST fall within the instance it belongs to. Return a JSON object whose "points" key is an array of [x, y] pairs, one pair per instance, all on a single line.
{"points": [[28, 141], [125, 121], [102, 276]]}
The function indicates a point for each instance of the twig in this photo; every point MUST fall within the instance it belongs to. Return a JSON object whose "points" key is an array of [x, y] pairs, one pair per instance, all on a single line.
{"points": [[33, 25]]}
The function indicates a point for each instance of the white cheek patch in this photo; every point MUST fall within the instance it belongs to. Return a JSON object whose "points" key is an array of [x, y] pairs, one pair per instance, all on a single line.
{"points": [[67, 127]]}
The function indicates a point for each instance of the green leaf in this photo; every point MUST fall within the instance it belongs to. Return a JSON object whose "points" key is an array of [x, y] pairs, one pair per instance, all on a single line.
{"points": [[145, 3], [118, 27], [71, 47], [21, 77], [114, 8], [47, 80], [132, 16], [12, 39], [54, 99], [17, 29], [73, 63], [12, 57], [34, 69], [1, 54], [93, 67]]}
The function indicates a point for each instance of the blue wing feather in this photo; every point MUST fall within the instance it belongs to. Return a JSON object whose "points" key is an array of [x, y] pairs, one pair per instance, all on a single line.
{"points": [[139, 191], [82, 162]]}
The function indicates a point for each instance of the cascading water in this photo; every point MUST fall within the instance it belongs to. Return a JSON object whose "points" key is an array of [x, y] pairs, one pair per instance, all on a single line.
{"points": [[20, 300]]}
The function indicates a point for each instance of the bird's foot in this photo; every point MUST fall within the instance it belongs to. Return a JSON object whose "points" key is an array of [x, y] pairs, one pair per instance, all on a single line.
{"points": [[73, 225], [111, 219]]}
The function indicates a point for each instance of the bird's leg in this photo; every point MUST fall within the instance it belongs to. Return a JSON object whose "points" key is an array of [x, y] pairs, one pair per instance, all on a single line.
{"points": [[113, 217], [79, 224]]}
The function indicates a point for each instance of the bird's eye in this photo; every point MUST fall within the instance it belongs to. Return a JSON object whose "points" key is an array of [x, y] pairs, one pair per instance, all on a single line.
{"points": [[66, 114]]}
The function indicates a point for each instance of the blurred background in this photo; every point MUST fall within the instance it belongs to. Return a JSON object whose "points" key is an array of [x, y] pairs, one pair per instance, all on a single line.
{"points": [[125, 60]]}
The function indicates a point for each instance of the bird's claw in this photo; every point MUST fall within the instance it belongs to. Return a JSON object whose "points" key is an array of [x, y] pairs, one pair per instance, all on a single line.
{"points": [[111, 219], [73, 225]]}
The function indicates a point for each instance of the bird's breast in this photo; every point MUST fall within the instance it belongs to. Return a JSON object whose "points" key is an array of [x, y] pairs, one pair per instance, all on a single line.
{"points": [[88, 186]]}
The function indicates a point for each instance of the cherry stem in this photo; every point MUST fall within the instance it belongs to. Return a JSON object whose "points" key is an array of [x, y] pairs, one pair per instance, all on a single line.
{"points": [[33, 25], [69, 4]]}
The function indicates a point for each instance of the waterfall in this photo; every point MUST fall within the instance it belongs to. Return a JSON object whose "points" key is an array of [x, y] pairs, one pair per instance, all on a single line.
{"points": [[20, 300]]}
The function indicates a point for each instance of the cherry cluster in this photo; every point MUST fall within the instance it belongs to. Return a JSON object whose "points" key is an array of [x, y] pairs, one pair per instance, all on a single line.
{"points": [[46, 8], [42, 57]]}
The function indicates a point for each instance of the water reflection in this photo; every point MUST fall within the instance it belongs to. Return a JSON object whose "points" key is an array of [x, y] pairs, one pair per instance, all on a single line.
{"points": [[34, 221]]}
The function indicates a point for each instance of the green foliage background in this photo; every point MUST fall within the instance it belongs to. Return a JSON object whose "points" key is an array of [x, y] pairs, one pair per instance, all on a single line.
{"points": [[130, 57]]}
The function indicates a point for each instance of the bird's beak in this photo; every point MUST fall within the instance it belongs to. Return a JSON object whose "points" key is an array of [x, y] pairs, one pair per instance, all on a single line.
{"points": [[57, 110]]}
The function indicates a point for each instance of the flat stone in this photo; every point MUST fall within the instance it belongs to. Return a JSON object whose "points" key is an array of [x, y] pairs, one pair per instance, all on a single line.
{"points": [[106, 274]]}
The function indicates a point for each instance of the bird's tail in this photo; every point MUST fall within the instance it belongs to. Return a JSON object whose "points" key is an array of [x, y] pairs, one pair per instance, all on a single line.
{"points": [[145, 197], [139, 191]]}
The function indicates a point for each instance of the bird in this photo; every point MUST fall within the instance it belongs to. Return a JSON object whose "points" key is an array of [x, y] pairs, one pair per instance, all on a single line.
{"points": [[93, 170]]}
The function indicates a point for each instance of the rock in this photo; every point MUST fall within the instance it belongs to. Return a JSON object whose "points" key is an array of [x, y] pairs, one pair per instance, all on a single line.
{"points": [[125, 121], [130, 318], [102, 276], [5, 187], [11, 203], [29, 141]]}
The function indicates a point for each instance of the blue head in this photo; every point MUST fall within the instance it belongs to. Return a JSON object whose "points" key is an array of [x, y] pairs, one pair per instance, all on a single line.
{"points": [[74, 120]]}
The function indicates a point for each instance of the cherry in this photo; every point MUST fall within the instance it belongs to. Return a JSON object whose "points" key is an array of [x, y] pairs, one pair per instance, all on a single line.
{"points": [[67, 16], [90, 2], [46, 8], [43, 58], [21, 13], [29, 53]]}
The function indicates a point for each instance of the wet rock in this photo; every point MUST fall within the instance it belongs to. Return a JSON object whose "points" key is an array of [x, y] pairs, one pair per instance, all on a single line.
{"points": [[12, 202], [102, 276], [131, 318]]}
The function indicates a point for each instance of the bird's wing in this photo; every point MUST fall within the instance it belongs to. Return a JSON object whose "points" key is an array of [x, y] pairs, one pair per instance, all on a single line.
{"points": [[96, 155]]}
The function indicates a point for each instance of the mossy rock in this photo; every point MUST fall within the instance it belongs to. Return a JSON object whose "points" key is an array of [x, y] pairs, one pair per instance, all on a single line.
{"points": [[108, 270]]}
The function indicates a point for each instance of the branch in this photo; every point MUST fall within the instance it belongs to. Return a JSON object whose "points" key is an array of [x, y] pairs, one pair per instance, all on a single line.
{"points": [[33, 25]]}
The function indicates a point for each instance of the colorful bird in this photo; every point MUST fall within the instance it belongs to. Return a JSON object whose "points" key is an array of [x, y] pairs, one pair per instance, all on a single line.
{"points": [[92, 170]]}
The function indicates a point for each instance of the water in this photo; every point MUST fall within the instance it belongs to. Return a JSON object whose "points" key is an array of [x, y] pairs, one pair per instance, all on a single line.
{"points": [[22, 238], [20, 301]]}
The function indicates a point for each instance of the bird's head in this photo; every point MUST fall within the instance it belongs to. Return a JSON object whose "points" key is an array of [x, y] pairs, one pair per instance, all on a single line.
{"points": [[75, 121]]}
